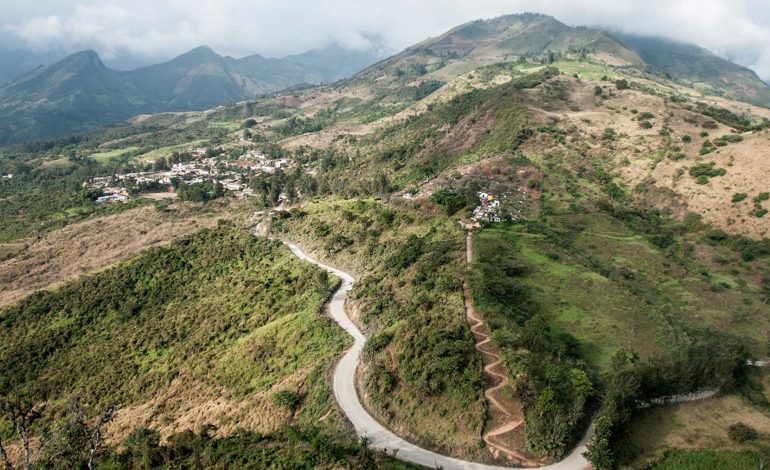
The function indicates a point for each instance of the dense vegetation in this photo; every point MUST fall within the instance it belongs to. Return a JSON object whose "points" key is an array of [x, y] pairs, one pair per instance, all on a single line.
{"points": [[422, 373], [222, 310], [292, 448]]}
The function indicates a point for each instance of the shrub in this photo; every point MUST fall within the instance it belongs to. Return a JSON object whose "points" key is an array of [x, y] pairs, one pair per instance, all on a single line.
{"points": [[741, 432], [759, 211], [643, 116], [761, 197], [702, 179], [249, 123], [286, 399], [706, 169], [686, 139], [704, 134], [738, 197], [645, 124], [622, 84], [450, 201]]}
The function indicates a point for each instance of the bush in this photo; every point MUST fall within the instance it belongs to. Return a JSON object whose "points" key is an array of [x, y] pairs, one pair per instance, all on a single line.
{"points": [[686, 139], [450, 201], [741, 432], [761, 197], [645, 124], [286, 399], [706, 169], [622, 84], [738, 197]]}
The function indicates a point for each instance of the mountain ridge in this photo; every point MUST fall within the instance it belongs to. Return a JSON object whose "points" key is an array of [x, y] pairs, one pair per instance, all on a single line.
{"points": [[80, 93]]}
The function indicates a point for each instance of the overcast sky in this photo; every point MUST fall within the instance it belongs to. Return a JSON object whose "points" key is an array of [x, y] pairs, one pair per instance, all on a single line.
{"points": [[155, 30]]}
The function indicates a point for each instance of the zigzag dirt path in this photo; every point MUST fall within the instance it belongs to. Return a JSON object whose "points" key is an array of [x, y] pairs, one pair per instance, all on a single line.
{"points": [[505, 414]]}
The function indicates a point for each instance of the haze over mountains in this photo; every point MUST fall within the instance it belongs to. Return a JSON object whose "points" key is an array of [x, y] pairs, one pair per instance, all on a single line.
{"points": [[80, 93]]}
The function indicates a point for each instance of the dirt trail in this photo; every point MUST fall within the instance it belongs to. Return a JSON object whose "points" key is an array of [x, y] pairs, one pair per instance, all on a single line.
{"points": [[504, 426]]}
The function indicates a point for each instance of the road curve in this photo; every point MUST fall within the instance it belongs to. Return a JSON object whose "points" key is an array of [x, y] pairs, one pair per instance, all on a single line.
{"points": [[379, 437]]}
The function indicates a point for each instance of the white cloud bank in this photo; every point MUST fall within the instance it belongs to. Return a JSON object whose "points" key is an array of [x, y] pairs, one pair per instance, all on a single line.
{"points": [[159, 29]]}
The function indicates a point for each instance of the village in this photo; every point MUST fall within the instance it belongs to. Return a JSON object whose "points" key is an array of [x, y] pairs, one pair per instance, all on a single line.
{"points": [[195, 166]]}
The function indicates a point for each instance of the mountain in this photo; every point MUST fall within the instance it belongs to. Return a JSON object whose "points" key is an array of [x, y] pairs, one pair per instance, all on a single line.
{"points": [[698, 68], [80, 93], [505, 38], [535, 36], [15, 62]]}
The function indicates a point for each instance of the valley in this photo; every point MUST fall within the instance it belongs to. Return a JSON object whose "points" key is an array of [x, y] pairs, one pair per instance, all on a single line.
{"points": [[524, 234]]}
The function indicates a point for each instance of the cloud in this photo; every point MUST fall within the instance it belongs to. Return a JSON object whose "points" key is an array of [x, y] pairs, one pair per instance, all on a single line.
{"points": [[157, 30]]}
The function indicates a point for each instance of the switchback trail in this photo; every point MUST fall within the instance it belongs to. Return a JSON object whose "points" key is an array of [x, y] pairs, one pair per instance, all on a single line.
{"points": [[379, 437], [505, 416]]}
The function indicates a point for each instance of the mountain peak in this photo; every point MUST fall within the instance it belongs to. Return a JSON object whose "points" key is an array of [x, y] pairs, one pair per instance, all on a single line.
{"points": [[201, 51], [84, 57]]}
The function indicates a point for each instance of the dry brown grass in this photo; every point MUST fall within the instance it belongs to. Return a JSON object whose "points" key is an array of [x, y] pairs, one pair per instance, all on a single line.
{"points": [[640, 155], [188, 403], [697, 425], [97, 243]]}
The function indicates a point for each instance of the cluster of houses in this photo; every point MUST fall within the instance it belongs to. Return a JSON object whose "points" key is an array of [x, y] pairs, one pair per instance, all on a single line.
{"points": [[499, 208], [231, 174], [258, 161], [488, 208]]}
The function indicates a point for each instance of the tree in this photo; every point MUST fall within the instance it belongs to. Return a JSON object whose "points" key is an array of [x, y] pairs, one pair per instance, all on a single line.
{"points": [[23, 412], [450, 201], [91, 433], [161, 164]]}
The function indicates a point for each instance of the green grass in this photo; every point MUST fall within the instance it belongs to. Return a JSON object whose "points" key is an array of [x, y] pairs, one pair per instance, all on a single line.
{"points": [[585, 70], [707, 459], [166, 151], [227, 125], [103, 157]]}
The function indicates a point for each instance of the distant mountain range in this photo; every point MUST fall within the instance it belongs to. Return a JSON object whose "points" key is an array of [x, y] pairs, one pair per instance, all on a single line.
{"points": [[80, 93], [507, 38]]}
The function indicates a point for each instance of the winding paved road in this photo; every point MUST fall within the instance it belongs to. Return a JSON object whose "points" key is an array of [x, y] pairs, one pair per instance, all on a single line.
{"points": [[379, 437]]}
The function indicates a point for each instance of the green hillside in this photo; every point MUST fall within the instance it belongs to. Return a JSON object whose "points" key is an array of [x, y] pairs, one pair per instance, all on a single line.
{"points": [[620, 254]]}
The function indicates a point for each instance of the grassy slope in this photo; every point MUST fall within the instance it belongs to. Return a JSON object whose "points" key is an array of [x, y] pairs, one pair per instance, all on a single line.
{"points": [[222, 311], [420, 375]]}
